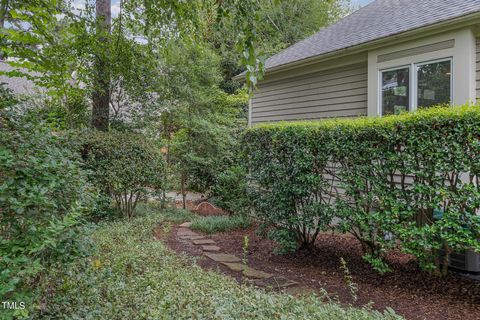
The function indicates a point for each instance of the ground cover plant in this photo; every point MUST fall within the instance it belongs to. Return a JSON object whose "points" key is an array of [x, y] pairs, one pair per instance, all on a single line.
{"points": [[138, 277], [410, 179], [215, 224]]}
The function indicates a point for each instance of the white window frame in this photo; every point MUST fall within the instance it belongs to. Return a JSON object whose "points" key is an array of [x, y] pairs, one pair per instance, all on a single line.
{"points": [[413, 82]]}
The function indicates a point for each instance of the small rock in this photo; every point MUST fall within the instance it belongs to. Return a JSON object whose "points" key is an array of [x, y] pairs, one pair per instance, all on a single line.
{"points": [[203, 241], [186, 225], [210, 248], [222, 257]]}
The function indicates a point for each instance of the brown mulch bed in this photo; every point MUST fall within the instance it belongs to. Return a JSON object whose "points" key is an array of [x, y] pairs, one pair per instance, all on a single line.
{"points": [[409, 292]]}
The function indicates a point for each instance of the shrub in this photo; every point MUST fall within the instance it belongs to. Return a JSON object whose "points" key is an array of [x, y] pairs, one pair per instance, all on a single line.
{"points": [[125, 166], [139, 278], [289, 188], [215, 224], [44, 197], [230, 191], [392, 174]]}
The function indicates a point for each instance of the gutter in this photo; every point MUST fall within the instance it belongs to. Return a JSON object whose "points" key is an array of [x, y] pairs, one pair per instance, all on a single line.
{"points": [[461, 21]]}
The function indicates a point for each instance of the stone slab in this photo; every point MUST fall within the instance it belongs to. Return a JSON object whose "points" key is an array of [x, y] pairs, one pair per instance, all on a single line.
{"points": [[185, 225], [191, 237], [234, 266], [257, 274], [275, 282], [186, 232], [210, 248], [222, 257], [203, 241]]}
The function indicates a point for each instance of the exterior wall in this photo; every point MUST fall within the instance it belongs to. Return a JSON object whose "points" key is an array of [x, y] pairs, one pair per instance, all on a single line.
{"points": [[478, 68], [320, 92], [460, 45]]}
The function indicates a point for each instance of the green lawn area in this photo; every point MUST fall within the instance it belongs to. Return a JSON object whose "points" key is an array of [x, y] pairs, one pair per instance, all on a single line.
{"points": [[131, 275]]}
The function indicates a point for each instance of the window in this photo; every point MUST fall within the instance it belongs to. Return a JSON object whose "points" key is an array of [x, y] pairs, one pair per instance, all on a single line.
{"points": [[434, 83], [395, 91], [429, 85]]}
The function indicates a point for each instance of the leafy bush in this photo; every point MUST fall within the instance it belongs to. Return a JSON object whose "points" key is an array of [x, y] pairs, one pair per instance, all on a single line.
{"points": [[230, 191], [44, 197], [139, 278], [389, 176], [125, 165], [290, 190], [215, 224]]}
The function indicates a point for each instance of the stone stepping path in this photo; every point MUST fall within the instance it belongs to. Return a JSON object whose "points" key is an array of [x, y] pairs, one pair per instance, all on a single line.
{"points": [[232, 262]]}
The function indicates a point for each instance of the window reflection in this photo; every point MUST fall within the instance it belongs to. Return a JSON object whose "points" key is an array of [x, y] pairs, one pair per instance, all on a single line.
{"points": [[434, 84], [395, 91]]}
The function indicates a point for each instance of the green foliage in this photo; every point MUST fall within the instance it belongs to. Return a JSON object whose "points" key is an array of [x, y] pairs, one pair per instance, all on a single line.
{"points": [[392, 174], [7, 98], [134, 276], [124, 166], [173, 215], [289, 189], [216, 224], [230, 191], [44, 200]]}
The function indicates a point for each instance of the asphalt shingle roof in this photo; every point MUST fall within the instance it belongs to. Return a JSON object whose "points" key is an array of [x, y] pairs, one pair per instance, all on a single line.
{"points": [[379, 19]]}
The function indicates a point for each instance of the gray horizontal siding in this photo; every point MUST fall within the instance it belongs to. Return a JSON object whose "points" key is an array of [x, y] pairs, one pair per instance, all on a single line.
{"points": [[478, 68], [340, 92]]}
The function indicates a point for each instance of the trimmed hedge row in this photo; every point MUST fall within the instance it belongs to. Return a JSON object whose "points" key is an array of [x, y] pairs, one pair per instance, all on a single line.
{"points": [[409, 181]]}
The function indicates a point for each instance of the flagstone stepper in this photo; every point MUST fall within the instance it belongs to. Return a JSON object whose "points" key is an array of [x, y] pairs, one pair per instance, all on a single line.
{"points": [[203, 241], [222, 257], [210, 248], [258, 274], [186, 232], [275, 282], [191, 237], [234, 266]]}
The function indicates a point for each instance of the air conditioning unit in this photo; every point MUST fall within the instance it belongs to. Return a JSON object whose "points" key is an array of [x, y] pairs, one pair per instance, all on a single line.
{"points": [[466, 261]]}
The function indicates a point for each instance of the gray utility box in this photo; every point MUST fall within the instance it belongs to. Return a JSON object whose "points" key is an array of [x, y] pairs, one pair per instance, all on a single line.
{"points": [[467, 261]]}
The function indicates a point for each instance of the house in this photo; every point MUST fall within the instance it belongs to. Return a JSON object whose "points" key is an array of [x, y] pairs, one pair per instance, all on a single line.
{"points": [[389, 56], [18, 85]]}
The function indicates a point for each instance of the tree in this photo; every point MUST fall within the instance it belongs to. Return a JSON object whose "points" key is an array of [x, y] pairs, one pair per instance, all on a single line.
{"points": [[101, 78]]}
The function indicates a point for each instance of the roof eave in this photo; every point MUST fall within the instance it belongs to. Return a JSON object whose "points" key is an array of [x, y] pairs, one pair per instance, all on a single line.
{"points": [[461, 21]]}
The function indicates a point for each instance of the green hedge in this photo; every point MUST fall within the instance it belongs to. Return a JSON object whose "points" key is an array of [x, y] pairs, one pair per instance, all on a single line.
{"points": [[386, 178]]}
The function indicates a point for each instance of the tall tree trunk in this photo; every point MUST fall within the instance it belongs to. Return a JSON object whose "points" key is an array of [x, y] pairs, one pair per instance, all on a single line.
{"points": [[183, 190], [101, 90]]}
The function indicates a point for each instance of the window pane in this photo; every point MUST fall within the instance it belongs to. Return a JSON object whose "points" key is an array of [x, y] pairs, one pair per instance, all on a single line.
{"points": [[395, 91], [434, 81]]}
